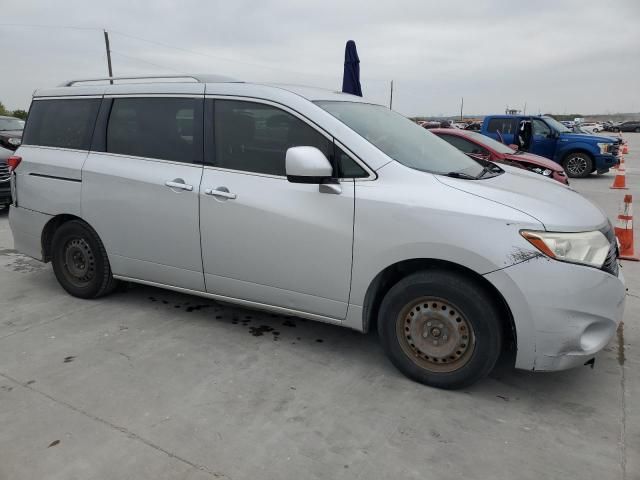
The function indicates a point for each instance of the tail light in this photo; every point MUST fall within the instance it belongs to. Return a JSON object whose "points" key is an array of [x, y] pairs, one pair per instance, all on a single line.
{"points": [[13, 161]]}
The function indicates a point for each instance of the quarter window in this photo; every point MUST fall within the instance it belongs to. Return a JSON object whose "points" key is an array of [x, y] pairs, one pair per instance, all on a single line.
{"points": [[348, 167], [163, 128], [64, 123], [254, 137]]}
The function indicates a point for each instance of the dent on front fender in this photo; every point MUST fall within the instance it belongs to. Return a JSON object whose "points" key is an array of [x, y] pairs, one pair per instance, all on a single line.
{"points": [[564, 313]]}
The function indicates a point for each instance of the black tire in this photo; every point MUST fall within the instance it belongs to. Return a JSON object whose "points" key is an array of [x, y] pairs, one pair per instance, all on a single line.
{"points": [[467, 321], [637, 130], [577, 165], [80, 261]]}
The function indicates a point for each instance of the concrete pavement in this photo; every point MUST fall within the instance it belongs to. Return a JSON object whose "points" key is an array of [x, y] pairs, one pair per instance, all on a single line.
{"points": [[148, 383]]}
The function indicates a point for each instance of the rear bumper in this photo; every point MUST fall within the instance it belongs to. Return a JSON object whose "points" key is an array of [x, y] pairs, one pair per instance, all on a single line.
{"points": [[564, 314], [27, 226]]}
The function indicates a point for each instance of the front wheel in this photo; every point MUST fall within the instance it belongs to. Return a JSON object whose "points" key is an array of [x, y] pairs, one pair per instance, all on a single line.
{"points": [[80, 261], [637, 130], [578, 165], [441, 329]]}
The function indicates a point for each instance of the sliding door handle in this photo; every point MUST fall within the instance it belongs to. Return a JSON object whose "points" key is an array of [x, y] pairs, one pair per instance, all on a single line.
{"points": [[180, 185]]}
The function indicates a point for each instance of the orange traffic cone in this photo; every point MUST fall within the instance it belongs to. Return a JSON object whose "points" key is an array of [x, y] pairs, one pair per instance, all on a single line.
{"points": [[625, 148], [620, 182], [620, 164], [624, 230]]}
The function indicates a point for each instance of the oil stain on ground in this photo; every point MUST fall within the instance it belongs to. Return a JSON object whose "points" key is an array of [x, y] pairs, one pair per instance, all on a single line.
{"points": [[238, 319]]}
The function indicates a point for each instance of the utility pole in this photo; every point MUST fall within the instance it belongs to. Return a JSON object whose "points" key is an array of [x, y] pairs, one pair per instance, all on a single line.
{"points": [[391, 97], [106, 44], [524, 110], [461, 107]]}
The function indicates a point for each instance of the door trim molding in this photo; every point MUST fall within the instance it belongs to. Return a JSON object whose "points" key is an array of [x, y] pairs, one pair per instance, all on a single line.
{"points": [[236, 301]]}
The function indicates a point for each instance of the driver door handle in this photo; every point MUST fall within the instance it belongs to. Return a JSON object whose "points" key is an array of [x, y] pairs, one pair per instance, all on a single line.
{"points": [[222, 192]]}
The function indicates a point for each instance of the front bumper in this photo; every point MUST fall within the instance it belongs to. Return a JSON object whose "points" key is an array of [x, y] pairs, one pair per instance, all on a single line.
{"points": [[563, 313], [604, 162], [5, 193], [560, 177]]}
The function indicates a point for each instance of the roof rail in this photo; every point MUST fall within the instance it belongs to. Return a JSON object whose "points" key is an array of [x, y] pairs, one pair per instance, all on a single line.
{"points": [[197, 78]]}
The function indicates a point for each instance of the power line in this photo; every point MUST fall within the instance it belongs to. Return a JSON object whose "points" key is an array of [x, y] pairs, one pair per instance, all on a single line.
{"points": [[137, 59], [177, 48], [64, 27], [161, 44], [214, 57]]}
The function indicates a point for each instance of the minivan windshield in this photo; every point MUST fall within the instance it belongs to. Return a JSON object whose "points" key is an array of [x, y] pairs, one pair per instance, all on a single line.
{"points": [[401, 139], [556, 125]]}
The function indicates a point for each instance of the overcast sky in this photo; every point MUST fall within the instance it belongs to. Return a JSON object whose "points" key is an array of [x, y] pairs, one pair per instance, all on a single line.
{"points": [[557, 56]]}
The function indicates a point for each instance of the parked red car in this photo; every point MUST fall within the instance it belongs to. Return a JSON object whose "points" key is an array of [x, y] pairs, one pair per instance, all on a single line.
{"points": [[481, 146]]}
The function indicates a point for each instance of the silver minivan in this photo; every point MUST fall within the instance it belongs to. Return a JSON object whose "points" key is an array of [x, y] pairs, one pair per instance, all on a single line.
{"points": [[317, 204]]}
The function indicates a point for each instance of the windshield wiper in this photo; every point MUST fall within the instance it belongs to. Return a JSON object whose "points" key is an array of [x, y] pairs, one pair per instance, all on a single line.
{"points": [[488, 169], [461, 175]]}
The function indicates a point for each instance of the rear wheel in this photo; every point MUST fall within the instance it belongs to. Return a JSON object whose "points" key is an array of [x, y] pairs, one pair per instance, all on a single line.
{"points": [[441, 329], [637, 130], [578, 165], [80, 261]]}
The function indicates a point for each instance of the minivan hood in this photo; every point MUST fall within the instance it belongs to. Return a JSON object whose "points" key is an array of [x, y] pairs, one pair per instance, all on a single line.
{"points": [[558, 207]]}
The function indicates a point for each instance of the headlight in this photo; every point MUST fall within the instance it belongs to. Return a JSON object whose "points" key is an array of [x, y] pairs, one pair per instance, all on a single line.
{"points": [[542, 171], [14, 141], [587, 248], [604, 147]]}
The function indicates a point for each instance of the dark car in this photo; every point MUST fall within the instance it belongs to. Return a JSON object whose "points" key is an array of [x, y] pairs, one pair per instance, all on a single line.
{"points": [[632, 126], [610, 126], [10, 137], [483, 147], [10, 132]]}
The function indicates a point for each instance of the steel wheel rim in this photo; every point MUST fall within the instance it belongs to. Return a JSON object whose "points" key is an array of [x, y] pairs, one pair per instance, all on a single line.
{"points": [[577, 165], [435, 334], [79, 262]]}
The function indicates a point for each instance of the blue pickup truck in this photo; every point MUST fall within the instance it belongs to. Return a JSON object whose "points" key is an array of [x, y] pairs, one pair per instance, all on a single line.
{"points": [[579, 154]]}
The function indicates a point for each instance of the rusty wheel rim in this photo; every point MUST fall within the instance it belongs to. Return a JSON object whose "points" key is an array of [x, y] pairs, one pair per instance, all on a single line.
{"points": [[435, 334]]}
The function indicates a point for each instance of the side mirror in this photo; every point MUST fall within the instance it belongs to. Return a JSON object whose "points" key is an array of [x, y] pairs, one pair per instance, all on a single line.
{"points": [[307, 165]]}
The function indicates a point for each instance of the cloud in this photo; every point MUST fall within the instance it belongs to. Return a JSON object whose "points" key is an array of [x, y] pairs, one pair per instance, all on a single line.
{"points": [[554, 55]]}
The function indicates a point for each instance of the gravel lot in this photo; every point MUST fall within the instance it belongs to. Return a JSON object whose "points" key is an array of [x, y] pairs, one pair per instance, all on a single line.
{"points": [[148, 383]]}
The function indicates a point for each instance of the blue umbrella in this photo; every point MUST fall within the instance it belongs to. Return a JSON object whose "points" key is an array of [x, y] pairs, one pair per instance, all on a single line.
{"points": [[351, 78]]}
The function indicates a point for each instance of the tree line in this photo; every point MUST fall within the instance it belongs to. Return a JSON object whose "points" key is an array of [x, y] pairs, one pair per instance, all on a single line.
{"points": [[15, 113]]}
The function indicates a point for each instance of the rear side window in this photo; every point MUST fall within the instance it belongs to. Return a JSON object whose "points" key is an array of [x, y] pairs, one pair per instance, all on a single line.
{"points": [[61, 123], [162, 128], [254, 137], [503, 125]]}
